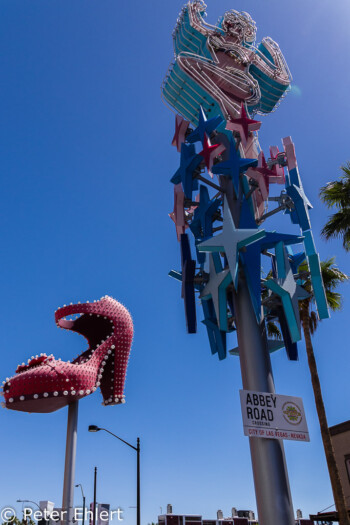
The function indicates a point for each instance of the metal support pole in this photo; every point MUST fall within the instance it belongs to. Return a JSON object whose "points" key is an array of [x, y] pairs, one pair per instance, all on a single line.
{"points": [[138, 483], [69, 467], [94, 509], [83, 522], [271, 482], [94, 428]]}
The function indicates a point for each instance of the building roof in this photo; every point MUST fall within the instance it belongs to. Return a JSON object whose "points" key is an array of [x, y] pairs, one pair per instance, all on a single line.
{"points": [[340, 428]]}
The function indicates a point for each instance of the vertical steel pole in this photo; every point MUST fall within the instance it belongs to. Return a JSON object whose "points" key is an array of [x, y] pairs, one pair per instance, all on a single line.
{"points": [[138, 483], [83, 521], [271, 482], [94, 504], [69, 467]]}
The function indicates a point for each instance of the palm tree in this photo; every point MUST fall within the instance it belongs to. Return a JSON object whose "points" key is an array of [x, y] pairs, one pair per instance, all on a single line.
{"points": [[332, 277], [17, 521], [337, 195]]}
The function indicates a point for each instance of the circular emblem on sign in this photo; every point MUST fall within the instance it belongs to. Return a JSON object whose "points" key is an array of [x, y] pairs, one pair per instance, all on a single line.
{"points": [[292, 413]]}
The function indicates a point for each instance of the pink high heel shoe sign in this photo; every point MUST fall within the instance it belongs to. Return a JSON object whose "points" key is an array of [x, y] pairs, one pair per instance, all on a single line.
{"points": [[47, 384]]}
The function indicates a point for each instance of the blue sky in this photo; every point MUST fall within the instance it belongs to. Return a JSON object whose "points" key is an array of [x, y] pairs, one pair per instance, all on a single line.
{"points": [[85, 161]]}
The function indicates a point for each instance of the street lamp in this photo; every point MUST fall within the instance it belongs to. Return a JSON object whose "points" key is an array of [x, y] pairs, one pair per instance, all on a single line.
{"points": [[94, 428], [82, 493], [28, 501]]}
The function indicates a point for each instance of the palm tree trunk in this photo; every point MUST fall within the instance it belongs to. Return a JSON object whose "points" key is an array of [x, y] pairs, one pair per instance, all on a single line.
{"points": [[326, 436]]}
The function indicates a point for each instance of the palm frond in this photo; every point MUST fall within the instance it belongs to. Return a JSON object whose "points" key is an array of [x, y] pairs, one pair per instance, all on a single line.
{"points": [[346, 240], [273, 331], [332, 277], [313, 322], [334, 301], [338, 225], [331, 274], [337, 193]]}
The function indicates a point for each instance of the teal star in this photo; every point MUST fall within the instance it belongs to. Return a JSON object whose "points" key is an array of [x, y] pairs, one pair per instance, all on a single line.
{"points": [[285, 287], [216, 288]]}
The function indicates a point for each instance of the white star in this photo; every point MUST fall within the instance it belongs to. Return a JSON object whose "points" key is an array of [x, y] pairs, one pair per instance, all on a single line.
{"points": [[231, 240]]}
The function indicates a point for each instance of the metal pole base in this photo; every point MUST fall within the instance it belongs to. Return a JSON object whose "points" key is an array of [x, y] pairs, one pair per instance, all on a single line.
{"points": [[271, 482], [69, 467], [273, 498]]}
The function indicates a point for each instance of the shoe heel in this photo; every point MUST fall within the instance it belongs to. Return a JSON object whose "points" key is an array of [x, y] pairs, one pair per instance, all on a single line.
{"points": [[109, 359], [114, 373]]}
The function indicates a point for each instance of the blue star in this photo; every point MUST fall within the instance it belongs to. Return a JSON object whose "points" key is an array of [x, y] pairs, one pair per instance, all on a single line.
{"points": [[291, 348], [174, 274], [246, 217], [189, 162], [201, 257], [217, 338], [302, 205], [295, 259], [300, 214], [234, 166], [202, 223], [187, 292], [204, 126], [272, 345]]}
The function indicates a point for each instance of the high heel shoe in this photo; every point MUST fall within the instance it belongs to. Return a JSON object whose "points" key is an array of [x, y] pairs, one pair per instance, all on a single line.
{"points": [[46, 384]]}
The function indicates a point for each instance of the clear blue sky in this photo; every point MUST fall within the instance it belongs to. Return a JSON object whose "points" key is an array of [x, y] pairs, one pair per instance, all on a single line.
{"points": [[85, 161]]}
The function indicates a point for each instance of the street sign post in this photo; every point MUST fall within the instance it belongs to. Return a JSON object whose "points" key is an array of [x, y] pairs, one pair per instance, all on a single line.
{"points": [[273, 416]]}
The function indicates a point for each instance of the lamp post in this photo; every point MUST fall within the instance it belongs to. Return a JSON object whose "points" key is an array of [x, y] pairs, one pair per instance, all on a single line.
{"points": [[28, 501], [69, 466], [82, 493], [95, 488], [94, 428]]}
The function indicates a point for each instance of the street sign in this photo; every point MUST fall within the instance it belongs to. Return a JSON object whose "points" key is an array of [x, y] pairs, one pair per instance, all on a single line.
{"points": [[272, 416]]}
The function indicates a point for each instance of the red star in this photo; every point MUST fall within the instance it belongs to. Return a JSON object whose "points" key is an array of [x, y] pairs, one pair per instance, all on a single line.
{"points": [[262, 174], [181, 126], [209, 152], [243, 125], [262, 166]]}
